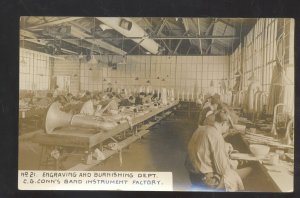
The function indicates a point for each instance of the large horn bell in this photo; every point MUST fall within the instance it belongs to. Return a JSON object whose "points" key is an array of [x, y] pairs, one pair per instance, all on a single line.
{"points": [[85, 121], [56, 118]]}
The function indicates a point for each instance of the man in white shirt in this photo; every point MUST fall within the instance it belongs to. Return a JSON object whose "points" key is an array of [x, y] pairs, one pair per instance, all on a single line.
{"points": [[88, 106], [208, 159]]}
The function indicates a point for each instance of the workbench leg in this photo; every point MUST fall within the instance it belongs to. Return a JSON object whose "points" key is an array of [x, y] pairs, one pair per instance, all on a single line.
{"points": [[56, 164], [136, 130], [120, 157], [189, 111], [89, 157], [42, 155]]}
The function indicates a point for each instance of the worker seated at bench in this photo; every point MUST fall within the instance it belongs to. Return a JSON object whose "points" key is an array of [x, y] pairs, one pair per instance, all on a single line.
{"points": [[211, 105], [69, 97], [113, 105], [88, 106], [155, 97], [208, 161], [139, 99], [62, 103], [207, 101], [130, 101], [147, 99]]}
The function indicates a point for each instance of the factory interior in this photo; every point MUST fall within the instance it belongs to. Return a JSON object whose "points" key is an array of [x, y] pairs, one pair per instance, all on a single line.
{"points": [[130, 93]]}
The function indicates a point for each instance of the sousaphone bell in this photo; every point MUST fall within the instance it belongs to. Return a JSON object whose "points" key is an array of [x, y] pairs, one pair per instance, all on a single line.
{"points": [[56, 118]]}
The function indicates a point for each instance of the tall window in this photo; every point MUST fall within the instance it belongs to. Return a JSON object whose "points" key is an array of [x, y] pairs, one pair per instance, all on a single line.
{"points": [[34, 70], [259, 53]]}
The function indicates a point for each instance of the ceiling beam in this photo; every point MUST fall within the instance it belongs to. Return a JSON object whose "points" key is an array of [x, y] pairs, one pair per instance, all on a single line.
{"points": [[26, 33], [40, 42], [179, 43], [170, 37], [150, 37], [210, 29], [56, 22], [99, 43], [159, 32], [153, 31], [177, 46], [161, 26], [227, 23], [199, 33], [35, 38], [135, 31], [186, 27], [212, 41]]}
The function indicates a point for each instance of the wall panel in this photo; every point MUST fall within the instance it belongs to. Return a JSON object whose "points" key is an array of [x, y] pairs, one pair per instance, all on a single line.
{"points": [[183, 73]]}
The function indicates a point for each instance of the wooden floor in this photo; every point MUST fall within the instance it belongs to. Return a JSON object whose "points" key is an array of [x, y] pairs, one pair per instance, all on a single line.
{"points": [[163, 149]]}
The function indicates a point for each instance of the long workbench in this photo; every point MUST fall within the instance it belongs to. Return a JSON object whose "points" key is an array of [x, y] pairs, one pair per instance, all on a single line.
{"points": [[86, 139], [280, 175]]}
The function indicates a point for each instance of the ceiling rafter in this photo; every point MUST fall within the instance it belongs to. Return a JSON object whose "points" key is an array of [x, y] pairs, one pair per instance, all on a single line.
{"points": [[202, 34], [152, 31], [178, 44], [199, 33], [56, 22], [135, 30], [210, 29], [34, 39], [81, 36], [159, 32], [155, 38], [186, 27], [160, 27], [98, 43]]}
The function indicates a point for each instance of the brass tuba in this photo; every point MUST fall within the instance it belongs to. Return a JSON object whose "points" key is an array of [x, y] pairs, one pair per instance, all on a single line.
{"points": [[55, 118]]}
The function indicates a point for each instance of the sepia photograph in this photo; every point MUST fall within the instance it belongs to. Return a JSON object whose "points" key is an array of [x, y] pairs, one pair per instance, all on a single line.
{"points": [[156, 104]]}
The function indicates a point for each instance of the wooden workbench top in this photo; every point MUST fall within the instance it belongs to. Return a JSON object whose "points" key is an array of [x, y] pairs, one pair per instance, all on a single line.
{"points": [[280, 175], [87, 138]]}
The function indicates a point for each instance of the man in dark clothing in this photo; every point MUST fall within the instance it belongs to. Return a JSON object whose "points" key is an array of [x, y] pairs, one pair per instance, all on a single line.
{"points": [[127, 101], [139, 99]]}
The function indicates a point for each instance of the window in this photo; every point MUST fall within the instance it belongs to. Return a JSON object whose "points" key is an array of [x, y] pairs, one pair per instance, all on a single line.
{"points": [[259, 53], [34, 70]]}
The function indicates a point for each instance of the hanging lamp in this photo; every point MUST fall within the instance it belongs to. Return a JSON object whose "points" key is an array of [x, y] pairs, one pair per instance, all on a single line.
{"points": [[238, 73]]}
